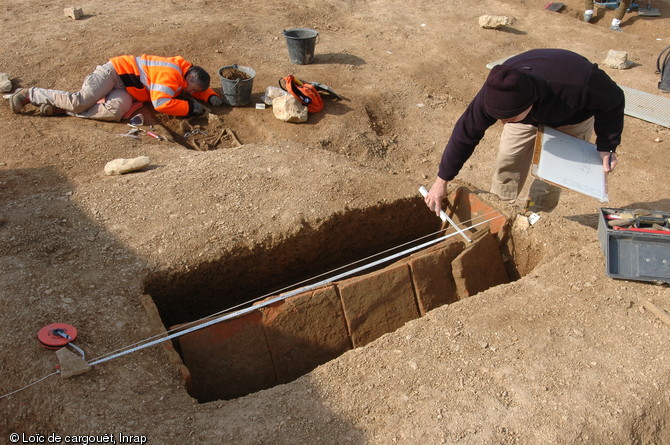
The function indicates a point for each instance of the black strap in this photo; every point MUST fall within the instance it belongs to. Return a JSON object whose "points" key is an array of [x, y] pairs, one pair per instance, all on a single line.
{"points": [[295, 91], [661, 67]]}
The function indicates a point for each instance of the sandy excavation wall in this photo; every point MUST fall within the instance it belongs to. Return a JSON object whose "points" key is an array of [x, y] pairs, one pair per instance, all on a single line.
{"points": [[288, 338]]}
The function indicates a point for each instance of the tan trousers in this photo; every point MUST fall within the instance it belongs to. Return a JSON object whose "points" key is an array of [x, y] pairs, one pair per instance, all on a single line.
{"points": [[103, 83], [515, 156], [620, 11]]}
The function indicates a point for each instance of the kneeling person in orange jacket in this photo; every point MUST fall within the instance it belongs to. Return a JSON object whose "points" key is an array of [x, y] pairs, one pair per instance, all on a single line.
{"points": [[109, 92]]}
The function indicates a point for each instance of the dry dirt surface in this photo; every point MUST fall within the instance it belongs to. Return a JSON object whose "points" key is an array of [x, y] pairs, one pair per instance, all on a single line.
{"points": [[562, 355]]}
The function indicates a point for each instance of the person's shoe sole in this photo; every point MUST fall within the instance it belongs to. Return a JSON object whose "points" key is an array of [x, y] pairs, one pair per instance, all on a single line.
{"points": [[18, 100], [50, 110]]}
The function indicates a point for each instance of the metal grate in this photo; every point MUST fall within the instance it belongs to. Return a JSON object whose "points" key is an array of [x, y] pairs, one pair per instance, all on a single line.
{"points": [[646, 106]]}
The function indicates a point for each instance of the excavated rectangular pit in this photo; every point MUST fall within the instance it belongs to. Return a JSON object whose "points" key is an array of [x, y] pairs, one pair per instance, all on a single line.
{"points": [[290, 337]]}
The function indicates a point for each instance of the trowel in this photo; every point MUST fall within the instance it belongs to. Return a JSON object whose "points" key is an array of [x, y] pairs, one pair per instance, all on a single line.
{"points": [[325, 88]]}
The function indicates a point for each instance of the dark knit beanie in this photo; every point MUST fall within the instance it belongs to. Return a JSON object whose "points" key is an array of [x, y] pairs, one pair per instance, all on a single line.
{"points": [[508, 92]]}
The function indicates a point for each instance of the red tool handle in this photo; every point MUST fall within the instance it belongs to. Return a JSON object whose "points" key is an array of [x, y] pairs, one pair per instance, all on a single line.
{"points": [[636, 229]]}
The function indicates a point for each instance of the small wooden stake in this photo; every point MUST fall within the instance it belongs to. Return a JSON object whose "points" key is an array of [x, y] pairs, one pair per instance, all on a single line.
{"points": [[660, 313]]}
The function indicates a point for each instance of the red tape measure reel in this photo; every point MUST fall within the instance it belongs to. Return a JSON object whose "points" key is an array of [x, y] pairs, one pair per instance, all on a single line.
{"points": [[57, 335]]}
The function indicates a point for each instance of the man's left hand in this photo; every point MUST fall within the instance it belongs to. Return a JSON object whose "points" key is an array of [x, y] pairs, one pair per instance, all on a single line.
{"points": [[197, 109], [215, 101], [610, 160]]}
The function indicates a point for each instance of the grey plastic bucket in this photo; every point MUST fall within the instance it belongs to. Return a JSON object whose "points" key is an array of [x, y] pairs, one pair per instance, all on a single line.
{"points": [[301, 43], [237, 92]]}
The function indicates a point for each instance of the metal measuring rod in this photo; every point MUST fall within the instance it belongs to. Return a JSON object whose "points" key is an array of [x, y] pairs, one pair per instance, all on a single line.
{"points": [[444, 217]]}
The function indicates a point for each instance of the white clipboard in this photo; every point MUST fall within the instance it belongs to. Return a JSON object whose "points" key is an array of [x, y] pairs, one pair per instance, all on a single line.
{"points": [[569, 162]]}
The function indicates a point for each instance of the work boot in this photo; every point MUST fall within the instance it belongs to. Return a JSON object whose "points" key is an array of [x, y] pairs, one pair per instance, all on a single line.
{"points": [[18, 100], [616, 28], [588, 16], [542, 196], [50, 110]]}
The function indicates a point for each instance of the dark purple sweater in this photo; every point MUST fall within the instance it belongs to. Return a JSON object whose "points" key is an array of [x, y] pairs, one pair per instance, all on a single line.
{"points": [[570, 90]]}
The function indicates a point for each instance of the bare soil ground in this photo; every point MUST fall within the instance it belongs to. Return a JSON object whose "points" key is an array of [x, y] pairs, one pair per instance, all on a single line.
{"points": [[563, 355]]}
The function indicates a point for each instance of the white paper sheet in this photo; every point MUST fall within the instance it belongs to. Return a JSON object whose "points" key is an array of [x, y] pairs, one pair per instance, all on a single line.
{"points": [[569, 162]]}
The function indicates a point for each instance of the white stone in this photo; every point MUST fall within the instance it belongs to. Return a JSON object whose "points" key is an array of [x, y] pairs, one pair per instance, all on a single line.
{"points": [[74, 13], [521, 223], [617, 60], [121, 166], [289, 109], [5, 83], [495, 21], [271, 93]]}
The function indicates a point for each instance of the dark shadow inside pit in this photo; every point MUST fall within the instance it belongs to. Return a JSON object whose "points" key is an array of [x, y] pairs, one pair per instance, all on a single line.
{"points": [[247, 274], [279, 343]]}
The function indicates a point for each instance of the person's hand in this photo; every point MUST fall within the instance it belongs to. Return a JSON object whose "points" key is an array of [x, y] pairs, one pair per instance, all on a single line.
{"points": [[436, 194], [609, 159], [215, 101], [198, 109]]}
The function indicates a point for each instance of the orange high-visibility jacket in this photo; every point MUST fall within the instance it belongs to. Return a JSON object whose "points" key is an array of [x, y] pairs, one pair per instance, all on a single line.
{"points": [[158, 80]]}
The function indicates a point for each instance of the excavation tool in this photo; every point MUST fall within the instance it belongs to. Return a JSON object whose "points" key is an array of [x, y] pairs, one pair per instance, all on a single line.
{"points": [[327, 90], [135, 123], [153, 135], [321, 88], [638, 219], [58, 336], [444, 217]]}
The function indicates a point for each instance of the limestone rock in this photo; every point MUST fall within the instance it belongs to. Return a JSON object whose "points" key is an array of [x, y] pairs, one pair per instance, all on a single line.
{"points": [[5, 83], [121, 166], [71, 364], [495, 21], [74, 13], [521, 223], [288, 109], [617, 60]]}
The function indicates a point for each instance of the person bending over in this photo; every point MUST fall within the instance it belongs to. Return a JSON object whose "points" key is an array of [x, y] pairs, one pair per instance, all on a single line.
{"points": [[553, 87]]}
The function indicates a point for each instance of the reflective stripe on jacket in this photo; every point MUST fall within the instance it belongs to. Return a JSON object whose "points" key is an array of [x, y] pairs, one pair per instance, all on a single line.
{"points": [[158, 80]]}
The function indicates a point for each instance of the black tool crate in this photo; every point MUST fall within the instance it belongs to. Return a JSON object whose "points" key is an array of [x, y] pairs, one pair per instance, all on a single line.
{"points": [[636, 252]]}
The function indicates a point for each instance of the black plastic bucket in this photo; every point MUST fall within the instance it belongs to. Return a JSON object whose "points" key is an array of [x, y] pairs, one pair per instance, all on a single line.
{"points": [[301, 43], [237, 93]]}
